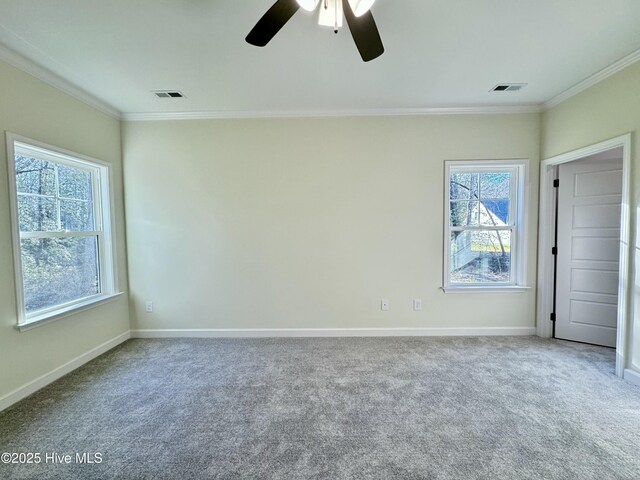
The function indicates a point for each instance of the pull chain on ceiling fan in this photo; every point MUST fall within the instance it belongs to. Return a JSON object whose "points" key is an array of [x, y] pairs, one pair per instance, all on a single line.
{"points": [[330, 14], [356, 12]]}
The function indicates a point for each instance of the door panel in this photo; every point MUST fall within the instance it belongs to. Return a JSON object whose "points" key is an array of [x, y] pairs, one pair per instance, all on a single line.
{"points": [[596, 216], [600, 249], [589, 200], [594, 281], [589, 184], [592, 313]]}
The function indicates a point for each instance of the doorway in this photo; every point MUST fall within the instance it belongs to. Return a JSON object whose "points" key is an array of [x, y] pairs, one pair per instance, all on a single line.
{"points": [[589, 274]]}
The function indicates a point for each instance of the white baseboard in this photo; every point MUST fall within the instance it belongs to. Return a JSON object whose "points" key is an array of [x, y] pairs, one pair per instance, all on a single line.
{"points": [[632, 376], [44, 380], [331, 332]]}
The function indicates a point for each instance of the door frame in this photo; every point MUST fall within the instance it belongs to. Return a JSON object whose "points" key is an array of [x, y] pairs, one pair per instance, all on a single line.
{"points": [[546, 236]]}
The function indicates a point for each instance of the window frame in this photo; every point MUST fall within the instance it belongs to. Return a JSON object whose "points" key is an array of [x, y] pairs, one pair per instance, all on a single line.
{"points": [[104, 228], [518, 209]]}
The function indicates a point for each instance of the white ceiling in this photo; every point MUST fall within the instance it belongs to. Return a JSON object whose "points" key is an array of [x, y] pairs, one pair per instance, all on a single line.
{"points": [[439, 53]]}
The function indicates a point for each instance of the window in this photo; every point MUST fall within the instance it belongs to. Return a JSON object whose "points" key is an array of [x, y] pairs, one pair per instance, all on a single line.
{"points": [[61, 228], [484, 228]]}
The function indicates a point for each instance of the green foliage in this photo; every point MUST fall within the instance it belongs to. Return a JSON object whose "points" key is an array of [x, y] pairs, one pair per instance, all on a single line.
{"points": [[58, 270]]}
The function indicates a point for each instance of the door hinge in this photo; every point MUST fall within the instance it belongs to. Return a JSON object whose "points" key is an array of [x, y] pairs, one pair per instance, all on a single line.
{"points": [[552, 317], [554, 250], [556, 183]]}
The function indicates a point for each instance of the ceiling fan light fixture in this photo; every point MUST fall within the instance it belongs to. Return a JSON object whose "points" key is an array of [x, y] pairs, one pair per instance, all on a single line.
{"points": [[360, 7], [331, 14], [308, 5]]}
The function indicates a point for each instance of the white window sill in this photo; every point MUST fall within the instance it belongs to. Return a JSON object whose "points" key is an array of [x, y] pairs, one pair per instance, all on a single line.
{"points": [[93, 302], [488, 289]]}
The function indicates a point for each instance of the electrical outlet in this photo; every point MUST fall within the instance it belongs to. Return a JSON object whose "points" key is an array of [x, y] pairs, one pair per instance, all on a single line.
{"points": [[417, 304], [384, 304], [148, 306]]}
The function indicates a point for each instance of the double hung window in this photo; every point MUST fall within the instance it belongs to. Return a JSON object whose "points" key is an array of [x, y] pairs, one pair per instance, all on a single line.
{"points": [[484, 228], [62, 230]]}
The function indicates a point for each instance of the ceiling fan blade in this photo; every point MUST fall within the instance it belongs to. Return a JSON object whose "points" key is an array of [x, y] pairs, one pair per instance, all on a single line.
{"points": [[365, 33], [271, 22]]}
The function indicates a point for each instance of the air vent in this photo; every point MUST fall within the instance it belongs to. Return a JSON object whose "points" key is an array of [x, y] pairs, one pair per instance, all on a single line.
{"points": [[168, 94], [508, 87]]}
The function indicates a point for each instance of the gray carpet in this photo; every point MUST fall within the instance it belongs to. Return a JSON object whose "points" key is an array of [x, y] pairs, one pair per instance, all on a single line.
{"points": [[347, 408]]}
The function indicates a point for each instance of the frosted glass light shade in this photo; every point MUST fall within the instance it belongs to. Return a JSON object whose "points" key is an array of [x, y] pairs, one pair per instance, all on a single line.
{"points": [[308, 5], [360, 7], [332, 15]]}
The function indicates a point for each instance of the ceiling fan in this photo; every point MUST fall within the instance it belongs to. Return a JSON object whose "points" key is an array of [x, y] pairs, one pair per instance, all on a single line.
{"points": [[357, 13]]}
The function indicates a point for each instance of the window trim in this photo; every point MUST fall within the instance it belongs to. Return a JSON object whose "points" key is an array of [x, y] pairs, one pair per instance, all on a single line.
{"points": [[102, 176], [519, 253]]}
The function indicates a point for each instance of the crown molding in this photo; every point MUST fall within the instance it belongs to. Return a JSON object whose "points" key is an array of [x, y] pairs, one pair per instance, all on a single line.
{"points": [[593, 79], [244, 114], [22, 63]]}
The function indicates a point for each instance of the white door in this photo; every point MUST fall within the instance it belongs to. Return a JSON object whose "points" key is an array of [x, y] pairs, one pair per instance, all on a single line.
{"points": [[589, 198]]}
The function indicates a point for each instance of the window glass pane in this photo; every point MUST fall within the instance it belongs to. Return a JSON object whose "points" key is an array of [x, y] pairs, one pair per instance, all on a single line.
{"points": [[37, 214], [495, 185], [494, 213], [482, 256], [76, 215], [74, 183], [463, 213], [495, 191], [58, 270], [35, 176], [462, 184]]}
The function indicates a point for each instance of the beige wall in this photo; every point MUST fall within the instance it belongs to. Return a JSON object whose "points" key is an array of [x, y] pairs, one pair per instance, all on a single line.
{"points": [[307, 223], [606, 110], [33, 109]]}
